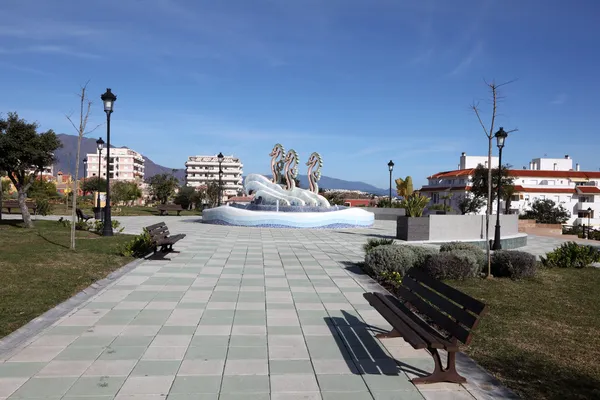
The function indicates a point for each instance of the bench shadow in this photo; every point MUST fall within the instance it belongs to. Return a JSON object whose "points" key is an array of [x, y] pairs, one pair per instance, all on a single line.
{"points": [[362, 352], [354, 267], [52, 242]]}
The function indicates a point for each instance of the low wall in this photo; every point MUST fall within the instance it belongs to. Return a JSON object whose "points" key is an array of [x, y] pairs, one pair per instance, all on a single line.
{"points": [[388, 214], [469, 227]]}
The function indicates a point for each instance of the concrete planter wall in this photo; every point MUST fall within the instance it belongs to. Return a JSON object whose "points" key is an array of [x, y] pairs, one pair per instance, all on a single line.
{"points": [[389, 214], [412, 228]]}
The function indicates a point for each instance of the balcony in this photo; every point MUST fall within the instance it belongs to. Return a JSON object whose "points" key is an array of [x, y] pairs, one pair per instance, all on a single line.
{"points": [[584, 205]]}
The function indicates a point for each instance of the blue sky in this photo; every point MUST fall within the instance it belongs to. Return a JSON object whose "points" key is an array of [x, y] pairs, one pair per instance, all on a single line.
{"points": [[360, 81]]}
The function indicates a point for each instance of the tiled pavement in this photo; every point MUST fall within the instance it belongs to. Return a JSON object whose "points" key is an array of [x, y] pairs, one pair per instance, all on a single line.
{"points": [[237, 313]]}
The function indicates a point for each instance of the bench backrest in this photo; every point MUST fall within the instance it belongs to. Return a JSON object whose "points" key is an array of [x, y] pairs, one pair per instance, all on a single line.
{"points": [[79, 213], [15, 204], [169, 207], [452, 310], [158, 231]]}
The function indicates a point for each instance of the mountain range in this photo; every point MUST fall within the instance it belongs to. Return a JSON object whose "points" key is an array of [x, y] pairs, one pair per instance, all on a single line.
{"points": [[65, 162]]}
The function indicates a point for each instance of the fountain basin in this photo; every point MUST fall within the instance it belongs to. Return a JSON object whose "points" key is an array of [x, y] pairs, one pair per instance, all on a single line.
{"points": [[340, 218]]}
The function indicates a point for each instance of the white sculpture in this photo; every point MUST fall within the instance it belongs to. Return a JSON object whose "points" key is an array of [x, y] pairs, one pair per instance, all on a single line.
{"points": [[271, 192]]}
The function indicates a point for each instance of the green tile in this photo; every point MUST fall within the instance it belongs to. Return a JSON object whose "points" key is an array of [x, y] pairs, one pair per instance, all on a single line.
{"points": [[154, 368], [91, 341], [195, 396], [206, 353], [244, 396], [140, 296], [132, 341], [247, 353], [177, 330], [195, 384], [224, 296], [284, 330], [248, 340], [278, 367], [114, 321], [225, 320], [210, 341], [123, 353], [281, 306], [99, 305], [67, 330], [327, 350], [168, 296], [96, 386], [245, 384], [80, 353], [394, 395], [159, 314], [339, 383], [350, 396], [121, 314], [191, 305], [251, 321], [388, 382], [44, 387], [20, 369], [218, 314]]}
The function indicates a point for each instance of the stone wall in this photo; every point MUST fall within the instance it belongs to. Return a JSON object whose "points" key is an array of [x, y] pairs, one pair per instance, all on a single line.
{"points": [[389, 214]]}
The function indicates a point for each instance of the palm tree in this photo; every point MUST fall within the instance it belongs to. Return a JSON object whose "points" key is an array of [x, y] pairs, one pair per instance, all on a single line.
{"points": [[404, 187]]}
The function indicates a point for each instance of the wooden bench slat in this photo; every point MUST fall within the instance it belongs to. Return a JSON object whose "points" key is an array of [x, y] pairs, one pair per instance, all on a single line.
{"points": [[407, 333], [457, 296], [438, 318], [432, 337], [444, 305]]}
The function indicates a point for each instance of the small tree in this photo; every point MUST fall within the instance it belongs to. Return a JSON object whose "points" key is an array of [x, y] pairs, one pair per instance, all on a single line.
{"points": [[404, 187], [125, 192], [546, 212], [163, 186], [23, 154], [186, 197], [479, 185], [94, 184], [212, 193], [470, 204], [42, 189], [508, 193]]}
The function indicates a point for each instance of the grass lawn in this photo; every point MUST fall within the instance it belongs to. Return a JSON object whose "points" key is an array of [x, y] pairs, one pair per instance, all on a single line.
{"points": [[60, 209], [38, 271], [541, 337]]}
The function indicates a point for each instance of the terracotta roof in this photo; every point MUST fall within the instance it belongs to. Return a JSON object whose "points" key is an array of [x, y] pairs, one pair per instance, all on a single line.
{"points": [[588, 189], [443, 188], [521, 189], [240, 199], [523, 173]]}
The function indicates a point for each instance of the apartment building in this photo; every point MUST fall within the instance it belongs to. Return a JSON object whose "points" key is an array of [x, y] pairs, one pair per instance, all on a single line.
{"points": [[544, 178], [126, 165], [200, 170]]}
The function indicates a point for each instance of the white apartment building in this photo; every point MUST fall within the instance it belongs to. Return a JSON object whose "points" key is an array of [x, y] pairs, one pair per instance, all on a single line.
{"points": [[545, 178], [200, 170], [126, 164]]}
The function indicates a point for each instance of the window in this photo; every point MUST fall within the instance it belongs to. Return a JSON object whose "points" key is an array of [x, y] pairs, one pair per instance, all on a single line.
{"points": [[435, 198], [543, 197], [526, 197]]}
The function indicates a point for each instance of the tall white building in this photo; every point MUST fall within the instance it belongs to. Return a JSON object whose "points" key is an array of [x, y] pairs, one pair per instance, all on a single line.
{"points": [[126, 165], [200, 170], [544, 178]]}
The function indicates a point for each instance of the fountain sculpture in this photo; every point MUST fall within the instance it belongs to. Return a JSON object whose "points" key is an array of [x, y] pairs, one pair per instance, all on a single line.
{"points": [[278, 203]]}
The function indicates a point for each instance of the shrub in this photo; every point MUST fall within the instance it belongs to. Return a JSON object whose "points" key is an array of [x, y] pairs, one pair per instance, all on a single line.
{"points": [[513, 264], [393, 258], [571, 255], [83, 226], [414, 205], [372, 243], [64, 222], [98, 226], [42, 206], [422, 254], [457, 264], [139, 246], [478, 253]]}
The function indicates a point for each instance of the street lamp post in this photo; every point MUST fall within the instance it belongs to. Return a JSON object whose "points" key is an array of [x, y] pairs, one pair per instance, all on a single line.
{"points": [[589, 213], [500, 138], [391, 168], [220, 158], [84, 173], [100, 146], [108, 98]]}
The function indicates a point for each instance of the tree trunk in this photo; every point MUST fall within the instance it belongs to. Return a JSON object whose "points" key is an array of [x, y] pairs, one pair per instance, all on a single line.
{"points": [[74, 191], [489, 207], [24, 210], [1, 195]]}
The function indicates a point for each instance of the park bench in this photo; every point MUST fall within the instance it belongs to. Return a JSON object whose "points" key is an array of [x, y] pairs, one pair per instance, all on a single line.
{"points": [[165, 208], [81, 216], [10, 204], [159, 234], [430, 315]]}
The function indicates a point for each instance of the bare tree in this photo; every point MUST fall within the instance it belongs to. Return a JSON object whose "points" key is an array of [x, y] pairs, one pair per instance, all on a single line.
{"points": [[85, 107], [496, 98]]}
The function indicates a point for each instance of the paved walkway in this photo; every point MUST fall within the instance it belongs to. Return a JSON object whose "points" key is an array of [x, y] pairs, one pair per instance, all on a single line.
{"points": [[237, 313]]}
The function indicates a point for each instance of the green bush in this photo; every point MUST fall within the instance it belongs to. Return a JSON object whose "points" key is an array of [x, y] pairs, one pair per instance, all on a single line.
{"points": [[394, 258], [139, 246], [42, 206], [64, 222], [372, 243], [513, 264], [456, 264], [98, 226], [83, 226], [477, 252], [571, 255]]}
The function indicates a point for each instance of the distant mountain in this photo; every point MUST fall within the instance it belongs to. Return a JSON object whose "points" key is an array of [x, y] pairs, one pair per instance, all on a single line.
{"points": [[67, 154], [66, 158]]}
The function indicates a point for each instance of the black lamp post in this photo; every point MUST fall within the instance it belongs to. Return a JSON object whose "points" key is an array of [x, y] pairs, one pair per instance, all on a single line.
{"points": [[220, 157], [84, 173], [100, 146], [589, 213], [108, 98], [500, 138], [391, 168]]}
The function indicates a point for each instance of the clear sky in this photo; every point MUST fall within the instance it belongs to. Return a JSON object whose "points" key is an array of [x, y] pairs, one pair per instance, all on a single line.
{"points": [[360, 81]]}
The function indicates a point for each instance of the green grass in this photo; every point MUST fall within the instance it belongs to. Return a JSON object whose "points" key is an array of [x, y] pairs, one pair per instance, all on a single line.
{"points": [[60, 209], [39, 271], [541, 337]]}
